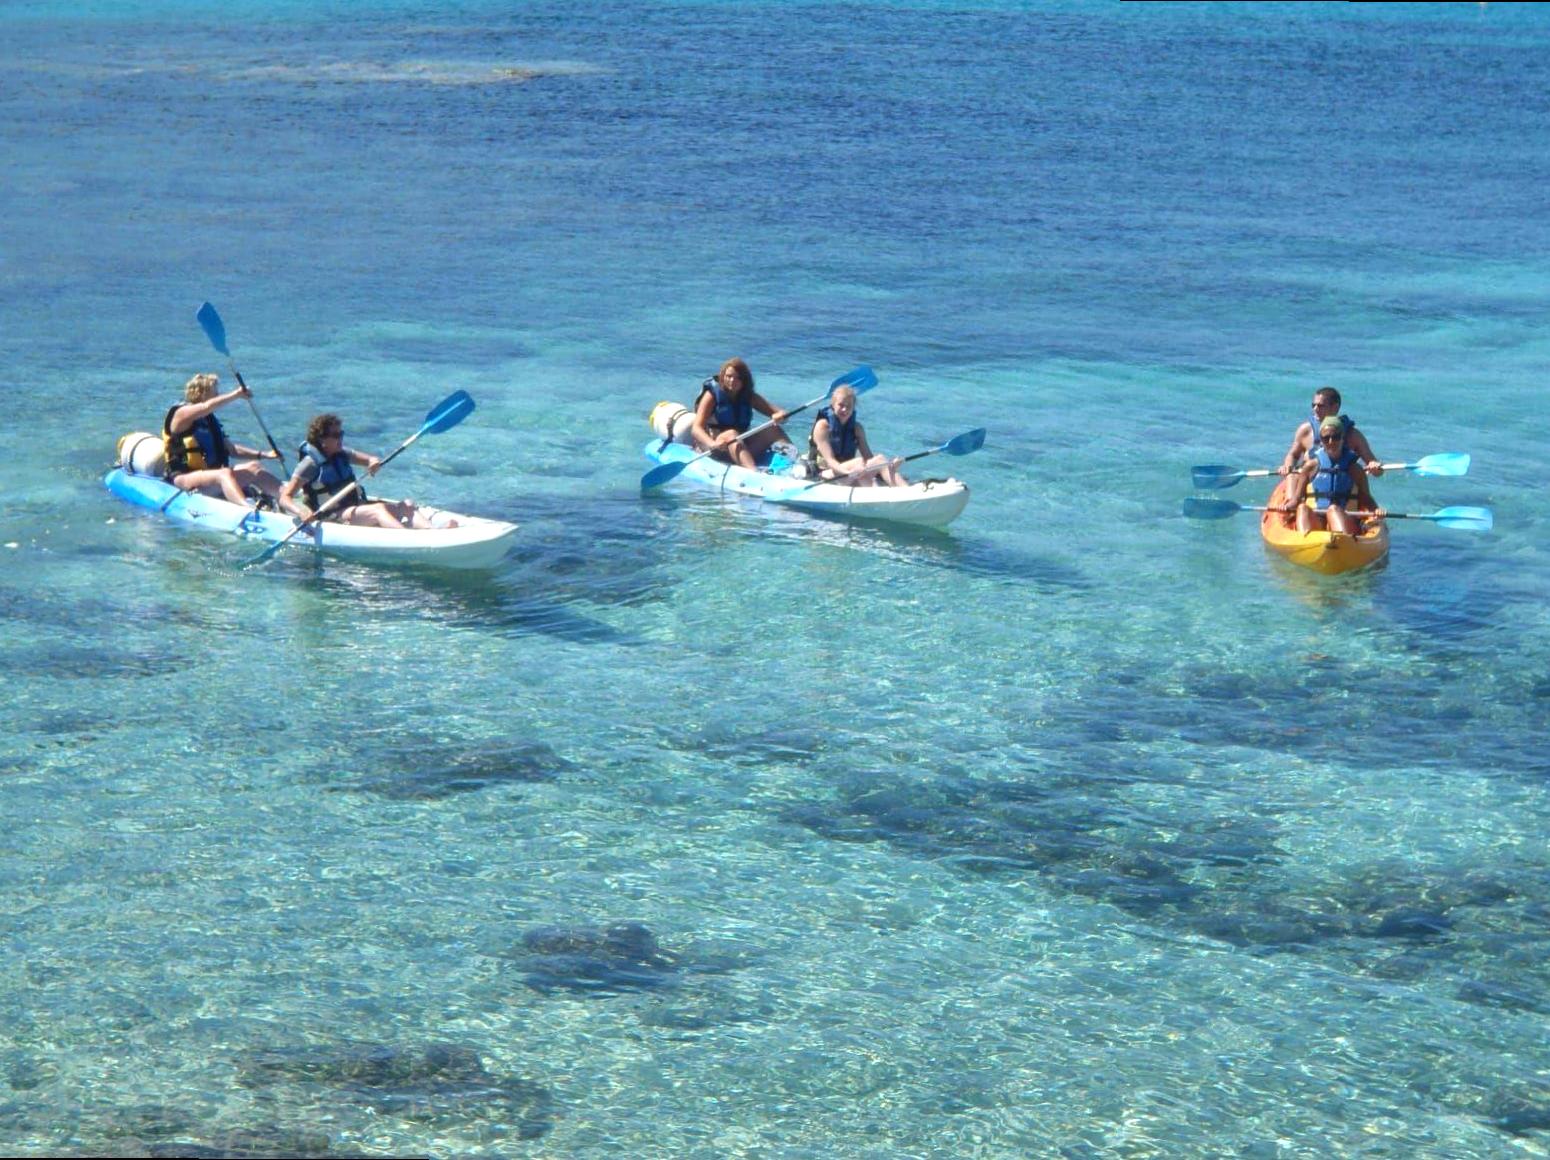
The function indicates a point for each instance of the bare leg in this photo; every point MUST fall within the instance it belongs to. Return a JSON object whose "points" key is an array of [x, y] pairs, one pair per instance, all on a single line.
{"points": [[218, 477], [749, 450], [1341, 521], [250, 473]]}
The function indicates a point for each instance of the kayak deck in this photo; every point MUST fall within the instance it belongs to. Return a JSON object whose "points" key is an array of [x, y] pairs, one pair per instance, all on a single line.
{"points": [[930, 503], [474, 543], [1321, 551]]}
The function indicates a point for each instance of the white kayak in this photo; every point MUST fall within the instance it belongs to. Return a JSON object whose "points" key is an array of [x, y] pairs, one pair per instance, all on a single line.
{"points": [[932, 503], [474, 543]]}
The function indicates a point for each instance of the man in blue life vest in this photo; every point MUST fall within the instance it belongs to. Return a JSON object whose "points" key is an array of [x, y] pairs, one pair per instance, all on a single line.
{"points": [[1305, 441]]}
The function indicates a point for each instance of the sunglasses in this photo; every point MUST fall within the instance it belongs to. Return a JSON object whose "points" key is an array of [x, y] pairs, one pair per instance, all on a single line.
{"points": [[1333, 438]]}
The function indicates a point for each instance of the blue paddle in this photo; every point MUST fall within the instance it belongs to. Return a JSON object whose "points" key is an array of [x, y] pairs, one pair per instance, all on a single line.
{"points": [[1470, 519], [215, 330], [1213, 476], [963, 444], [444, 416], [861, 380]]}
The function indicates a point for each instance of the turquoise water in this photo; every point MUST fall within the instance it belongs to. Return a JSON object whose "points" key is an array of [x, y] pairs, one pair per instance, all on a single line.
{"points": [[696, 829]]}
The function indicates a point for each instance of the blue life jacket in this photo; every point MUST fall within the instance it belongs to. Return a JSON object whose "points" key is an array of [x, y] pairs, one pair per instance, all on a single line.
{"points": [[334, 475], [842, 437], [732, 411], [1333, 483], [1314, 421], [201, 446]]}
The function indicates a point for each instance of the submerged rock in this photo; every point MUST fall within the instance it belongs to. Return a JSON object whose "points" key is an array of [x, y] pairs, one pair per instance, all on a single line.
{"points": [[606, 960], [433, 772], [438, 1083]]}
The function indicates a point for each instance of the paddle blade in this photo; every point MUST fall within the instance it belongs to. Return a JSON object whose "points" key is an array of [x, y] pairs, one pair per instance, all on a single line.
{"points": [[1452, 463], [448, 413], [1197, 508], [1469, 519], [215, 330], [861, 379], [1214, 476], [965, 443], [660, 474]]}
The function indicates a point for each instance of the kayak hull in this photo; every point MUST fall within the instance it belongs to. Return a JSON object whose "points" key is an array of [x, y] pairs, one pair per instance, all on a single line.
{"points": [[474, 543], [1321, 551], [932, 503]]}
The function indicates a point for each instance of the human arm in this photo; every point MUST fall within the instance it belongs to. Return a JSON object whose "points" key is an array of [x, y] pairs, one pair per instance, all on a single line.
{"points": [[238, 451], [703, 439], [1363, 450], [1297, 449], [863, 448], [363, 459], [289, 498], [190, 413], [1297, 488], [825, 449], [764, 406], [1362, 489]]}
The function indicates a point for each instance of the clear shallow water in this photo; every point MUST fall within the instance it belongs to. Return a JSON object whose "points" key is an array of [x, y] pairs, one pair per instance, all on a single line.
{"points": [[1078, 830]]}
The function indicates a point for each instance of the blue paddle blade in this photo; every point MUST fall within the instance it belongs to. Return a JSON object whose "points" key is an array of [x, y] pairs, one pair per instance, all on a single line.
{"points": [[214, 328], [861, 379], [1470, 519], [1213, 476], [1452, 463], [660, 474], [965, 443], [448, 413], [1197, 508]]}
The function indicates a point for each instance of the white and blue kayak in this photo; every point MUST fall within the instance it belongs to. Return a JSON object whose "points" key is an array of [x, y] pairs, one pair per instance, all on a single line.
{"points": [[932, 503], [474, 543]]}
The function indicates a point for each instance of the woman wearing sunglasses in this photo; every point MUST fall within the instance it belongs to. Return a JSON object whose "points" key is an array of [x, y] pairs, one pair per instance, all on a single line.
{"points": [[325, 467], [1333, 473]]}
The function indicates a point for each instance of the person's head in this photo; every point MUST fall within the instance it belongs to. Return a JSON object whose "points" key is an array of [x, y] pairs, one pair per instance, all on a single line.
{"points": [[200, 387], [1332, 431], [327, 426], [843, 401], [735, 376], [1326, 401]]}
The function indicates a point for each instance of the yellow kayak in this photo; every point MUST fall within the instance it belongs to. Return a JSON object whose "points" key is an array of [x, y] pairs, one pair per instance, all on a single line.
{"points": [[1321, 551]]}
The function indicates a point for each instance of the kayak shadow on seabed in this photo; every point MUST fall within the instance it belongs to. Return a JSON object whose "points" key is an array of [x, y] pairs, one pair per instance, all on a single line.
{"points": [[949, 548]]}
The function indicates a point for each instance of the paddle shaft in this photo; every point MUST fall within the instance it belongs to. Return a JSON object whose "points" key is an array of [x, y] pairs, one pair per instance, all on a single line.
{"points": [[1476, 519], [1447, 463], [209, 320]]}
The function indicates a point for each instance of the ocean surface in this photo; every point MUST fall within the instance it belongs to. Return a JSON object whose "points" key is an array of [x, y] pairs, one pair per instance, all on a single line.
{"points": [[1078, 830]]}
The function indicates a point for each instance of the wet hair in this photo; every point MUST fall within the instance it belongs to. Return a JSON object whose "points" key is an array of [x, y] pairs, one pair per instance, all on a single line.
{"points": [[845, 391], [321, 425], [1329, 395], [744, 375], [200, 387]]}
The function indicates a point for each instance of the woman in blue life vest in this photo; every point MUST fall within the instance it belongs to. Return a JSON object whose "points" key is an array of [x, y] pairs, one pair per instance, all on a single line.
{"points": [[1334, 478], [326, 467], [838, 448], [198, 451], [1305, 440], [725, 410]]}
